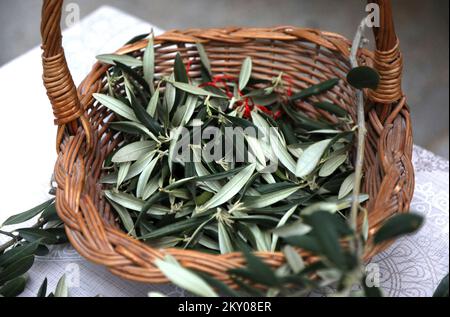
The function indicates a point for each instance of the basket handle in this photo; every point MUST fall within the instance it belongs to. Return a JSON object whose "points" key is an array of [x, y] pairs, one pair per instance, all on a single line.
{"points": [[61, 89], [387, 59], [63, 95]]}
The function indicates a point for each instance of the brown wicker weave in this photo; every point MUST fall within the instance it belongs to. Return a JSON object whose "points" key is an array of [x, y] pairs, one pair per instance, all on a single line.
{"points": [[308, 56]]}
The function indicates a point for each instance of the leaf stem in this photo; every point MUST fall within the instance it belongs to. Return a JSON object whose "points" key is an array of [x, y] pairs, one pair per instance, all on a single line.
{"points": [[357, 43]]}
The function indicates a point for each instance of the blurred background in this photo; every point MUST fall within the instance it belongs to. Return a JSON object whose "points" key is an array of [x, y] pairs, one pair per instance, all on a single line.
{"points": [[422, 26]]}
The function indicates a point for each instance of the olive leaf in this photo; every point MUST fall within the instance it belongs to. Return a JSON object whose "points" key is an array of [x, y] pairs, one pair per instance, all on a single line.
{"points": [[116, 106], [397, 226], [363, 77], [282, 153], [13, 287], [27, 215], [124, 59], [125, 200], [332, 164], [311, 158], [149, 62], [224, 239], [16, 269], [133, 151], [442, 289], [204, 58], [62, 288], [246, 72], [269, 199], [185, 279], [347, 186], [194, 90], [316, 89], [230, 189]]}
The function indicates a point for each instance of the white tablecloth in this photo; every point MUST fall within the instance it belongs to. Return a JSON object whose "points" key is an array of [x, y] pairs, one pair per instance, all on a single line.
{"points": [[413, 266]]}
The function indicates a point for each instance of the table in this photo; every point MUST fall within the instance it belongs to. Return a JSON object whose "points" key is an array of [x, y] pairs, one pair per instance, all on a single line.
{"points": [[412, 266]]}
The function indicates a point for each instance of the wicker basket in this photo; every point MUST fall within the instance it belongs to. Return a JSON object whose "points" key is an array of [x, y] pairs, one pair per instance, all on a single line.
{"points": [[308, 56]]}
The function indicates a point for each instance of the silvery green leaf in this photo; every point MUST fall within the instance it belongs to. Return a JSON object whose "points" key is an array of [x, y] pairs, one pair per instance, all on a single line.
{"points": [[294, 259], [324, 131], [150, 188], [332, 164], [209, 243], [311, 158], [144, 177], [227, 192], [246, 72], [153, 104], [170, 94], [132, 127], [224, 240], [365, 225], [124, 59], [125, 217], [297, 228], [194, 90], [202, 171], [333, 205], [268, 178], [282, 153], [62, 289], [156, 294], [295, 151], [149, 62], [126, 200], [116, 106], [174, 135], [133, 151], [256, 149], [124, 168], [262, 239], [185, 279], [191, 104], [204, 58], [270, 198], [135, 169], [282, 222], [347, 186]]}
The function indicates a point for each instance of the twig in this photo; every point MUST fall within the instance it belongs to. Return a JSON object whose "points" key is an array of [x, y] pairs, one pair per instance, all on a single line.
{"points": [[357, 43], [16, 239]]}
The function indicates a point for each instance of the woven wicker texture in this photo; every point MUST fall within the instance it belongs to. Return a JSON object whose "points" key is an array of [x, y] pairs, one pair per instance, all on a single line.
{"points": [[307, 56]]}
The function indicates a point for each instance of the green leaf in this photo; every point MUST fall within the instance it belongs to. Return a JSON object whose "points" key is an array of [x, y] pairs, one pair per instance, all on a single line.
{"points": [[125, 200], [311, 158], [35, 234], [294, 260], [280, 224], [134, 75], [132, 128], [397, 226], [42, 292], [269, 199], [185, 279], [149, 63], [180, 70], [175, 228], [124, 168], [144, 177], [246, 72], [27, 215], [133, 151], [332, 164], [16, 269], [363, 77], [347, 186], [18, 253], [124, 59], [227, 192], [137, 38], [153, 104], [194, 90], [316, 89], [204, 58], [135, 169], [442, 289], [116, 106], [297, 228], [325, 231], [125, 217], [257, 271], [307, 243], [281, 152], [331, 108], [174, 135], [224, 239], [13, 288], [62, 289]]}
